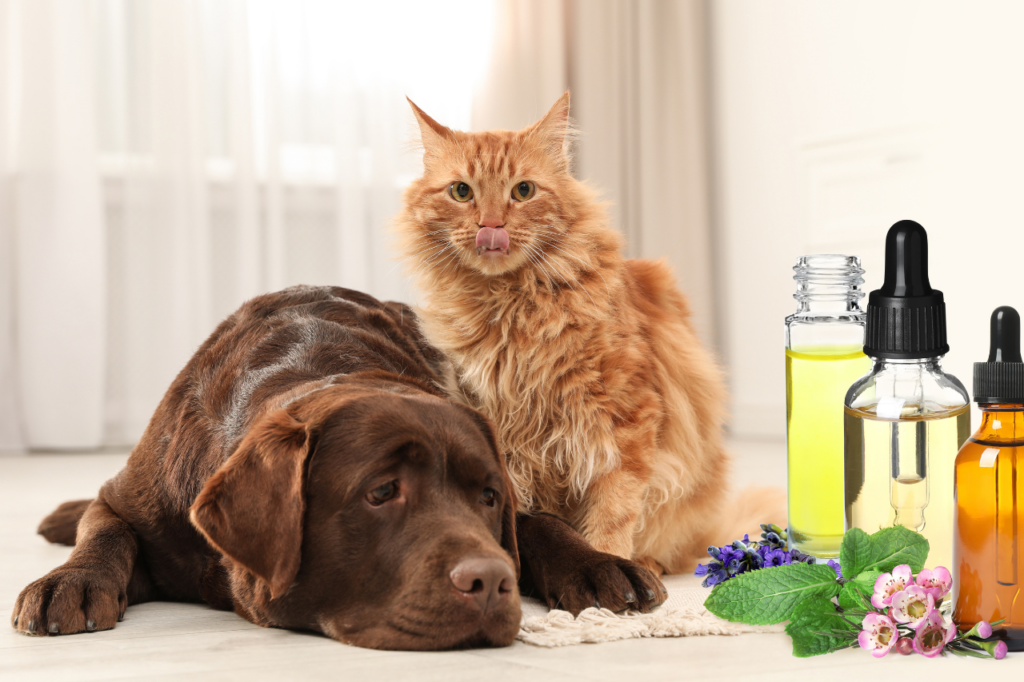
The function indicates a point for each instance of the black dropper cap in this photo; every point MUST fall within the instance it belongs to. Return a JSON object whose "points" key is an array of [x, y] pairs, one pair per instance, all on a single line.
{"points": [[1001, 379], [906, 318]]}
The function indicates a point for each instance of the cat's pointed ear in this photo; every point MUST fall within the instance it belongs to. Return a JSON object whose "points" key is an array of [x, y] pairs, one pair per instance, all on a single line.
{"points": [[433, 135], [555, 130]]}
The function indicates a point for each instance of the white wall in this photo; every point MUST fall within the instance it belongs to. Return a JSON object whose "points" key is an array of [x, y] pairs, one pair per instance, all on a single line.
{"points": [[833, 120]]}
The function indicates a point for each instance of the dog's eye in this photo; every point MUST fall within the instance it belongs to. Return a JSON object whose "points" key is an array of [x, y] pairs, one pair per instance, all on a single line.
{"points": [[489, 496], [383, 493], [460, 191], [524, 190]]}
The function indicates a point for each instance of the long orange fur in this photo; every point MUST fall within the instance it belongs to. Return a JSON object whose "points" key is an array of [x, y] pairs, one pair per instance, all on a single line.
{"points": [[607, 406]]}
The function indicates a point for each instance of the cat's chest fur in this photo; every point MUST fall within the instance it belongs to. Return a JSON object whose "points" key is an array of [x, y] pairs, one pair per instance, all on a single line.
{"points": [[535, 364]]}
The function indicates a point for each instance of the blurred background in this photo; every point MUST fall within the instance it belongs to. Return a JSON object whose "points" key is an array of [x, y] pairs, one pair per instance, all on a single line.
{"points": [[161, 161]]}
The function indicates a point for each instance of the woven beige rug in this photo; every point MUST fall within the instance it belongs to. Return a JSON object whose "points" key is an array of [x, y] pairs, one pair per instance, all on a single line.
{"points": [[682, 615]]}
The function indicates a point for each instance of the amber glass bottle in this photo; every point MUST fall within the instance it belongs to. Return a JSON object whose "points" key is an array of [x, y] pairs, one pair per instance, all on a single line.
{"points": [[987, 550]]}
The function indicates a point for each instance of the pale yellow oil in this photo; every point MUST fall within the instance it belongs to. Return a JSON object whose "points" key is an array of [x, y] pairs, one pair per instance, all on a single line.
{"points": [[900, 471], [817, 378]]}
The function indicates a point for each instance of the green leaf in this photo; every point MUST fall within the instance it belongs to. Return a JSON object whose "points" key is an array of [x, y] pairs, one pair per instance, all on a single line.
{"points": [[769, 595], [897, 545], [809, 623], [863, 584], [855, 552]]}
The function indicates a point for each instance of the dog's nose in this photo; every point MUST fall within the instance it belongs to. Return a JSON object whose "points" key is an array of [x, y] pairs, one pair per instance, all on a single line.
{"points": [[487, 581]]}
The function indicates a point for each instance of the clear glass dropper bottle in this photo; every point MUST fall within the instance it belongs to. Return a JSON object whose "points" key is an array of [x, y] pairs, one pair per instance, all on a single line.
{"points": [[824, 354], [906, 419]]}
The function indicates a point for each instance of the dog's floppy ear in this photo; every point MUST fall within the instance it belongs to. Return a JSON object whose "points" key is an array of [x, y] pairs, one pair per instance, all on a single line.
{"points": [[252, 508], [511, 506]]}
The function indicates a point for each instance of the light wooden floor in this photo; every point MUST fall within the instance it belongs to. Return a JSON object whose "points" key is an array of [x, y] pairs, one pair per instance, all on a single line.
{"points": [[178, 641]]}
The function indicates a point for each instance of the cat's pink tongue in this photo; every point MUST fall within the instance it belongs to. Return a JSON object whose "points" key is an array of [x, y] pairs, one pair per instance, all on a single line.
{"points": [[492, 239]]}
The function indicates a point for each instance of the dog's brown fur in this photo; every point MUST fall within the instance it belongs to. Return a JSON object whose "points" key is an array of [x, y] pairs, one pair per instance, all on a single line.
{"points": [[606, 404], [252, 489]]}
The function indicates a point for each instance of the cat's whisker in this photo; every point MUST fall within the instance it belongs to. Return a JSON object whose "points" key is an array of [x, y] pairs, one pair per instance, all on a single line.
{"points": [[588, 266], [582, 288], [535, 257], [450, 260], [437, 255], [432, 249]]}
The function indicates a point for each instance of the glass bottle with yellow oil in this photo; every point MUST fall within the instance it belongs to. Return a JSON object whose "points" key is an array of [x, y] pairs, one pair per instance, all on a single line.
{"points": [[824, 354], [988, 555], [905, 420]]}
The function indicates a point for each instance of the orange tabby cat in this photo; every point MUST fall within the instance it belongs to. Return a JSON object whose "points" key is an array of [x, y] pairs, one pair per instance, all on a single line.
{"points": [[607, 406]]}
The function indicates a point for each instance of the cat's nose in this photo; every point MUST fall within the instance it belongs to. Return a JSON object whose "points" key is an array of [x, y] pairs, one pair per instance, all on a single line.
{"points": [[491, 222]]}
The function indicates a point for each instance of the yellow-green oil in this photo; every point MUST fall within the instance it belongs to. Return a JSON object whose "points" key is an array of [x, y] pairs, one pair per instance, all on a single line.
{"points": [[817, 378], [904, 473]]}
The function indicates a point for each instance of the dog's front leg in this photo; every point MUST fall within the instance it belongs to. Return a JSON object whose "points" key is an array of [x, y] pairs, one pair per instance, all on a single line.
{"points": [[90, 591], [562, 568]]}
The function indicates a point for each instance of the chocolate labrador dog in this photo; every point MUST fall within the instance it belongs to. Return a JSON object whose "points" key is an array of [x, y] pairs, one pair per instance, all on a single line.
{"points": [[306, 470]]}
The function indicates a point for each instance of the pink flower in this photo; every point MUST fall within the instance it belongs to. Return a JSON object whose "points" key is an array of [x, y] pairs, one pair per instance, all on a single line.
{"points": [[984, 629], [879, 634], [936, 583], [912, 606], [933, 632], [889, 584]]}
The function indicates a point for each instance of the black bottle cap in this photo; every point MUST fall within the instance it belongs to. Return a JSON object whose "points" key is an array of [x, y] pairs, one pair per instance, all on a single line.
{"points": [[1001, 379], [906, 318]]}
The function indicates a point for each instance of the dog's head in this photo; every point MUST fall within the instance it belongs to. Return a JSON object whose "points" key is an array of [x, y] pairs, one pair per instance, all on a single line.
{"points": [[380, 519]]}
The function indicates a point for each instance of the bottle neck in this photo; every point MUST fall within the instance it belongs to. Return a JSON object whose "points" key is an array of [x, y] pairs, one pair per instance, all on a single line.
{"points": [[828, 285], [1001, 423], [933, 364]]}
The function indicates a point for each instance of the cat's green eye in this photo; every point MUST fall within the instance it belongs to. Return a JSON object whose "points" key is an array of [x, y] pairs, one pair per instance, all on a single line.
{"points": [[524, 190], [460, 191]]}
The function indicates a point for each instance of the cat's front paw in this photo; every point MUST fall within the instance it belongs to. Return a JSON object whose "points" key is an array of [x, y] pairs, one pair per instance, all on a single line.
{"points": [[69, 600], [606, 581]]}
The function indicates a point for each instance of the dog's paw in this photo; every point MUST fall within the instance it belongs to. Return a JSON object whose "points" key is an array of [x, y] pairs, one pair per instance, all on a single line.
{"points": [[69, 600], [609, 582]]}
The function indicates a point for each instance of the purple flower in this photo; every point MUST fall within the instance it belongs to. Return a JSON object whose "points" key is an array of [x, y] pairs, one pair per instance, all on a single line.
{"points": [[715, 578], [775, 557], [742, 556], [834, 565], [984, 629], [999, 652]]}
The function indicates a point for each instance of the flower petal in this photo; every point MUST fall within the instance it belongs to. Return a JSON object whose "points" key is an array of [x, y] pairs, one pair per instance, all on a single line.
{"points": [[903, 572]]}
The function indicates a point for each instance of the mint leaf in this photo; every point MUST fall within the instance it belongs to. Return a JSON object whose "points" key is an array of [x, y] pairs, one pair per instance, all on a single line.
{"points": [[769, 595], [849, 598], [897, 545], [855, 552], [815, 616]]}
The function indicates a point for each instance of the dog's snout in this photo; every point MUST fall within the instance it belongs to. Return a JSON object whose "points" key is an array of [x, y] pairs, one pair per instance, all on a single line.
{"points": [[487, 581]]}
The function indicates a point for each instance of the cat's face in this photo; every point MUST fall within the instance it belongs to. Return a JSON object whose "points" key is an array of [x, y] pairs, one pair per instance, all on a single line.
{"points": [[496, 201]]}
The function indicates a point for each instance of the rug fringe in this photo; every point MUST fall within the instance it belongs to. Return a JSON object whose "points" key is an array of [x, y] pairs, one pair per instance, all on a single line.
{"points": [[559, 628]]}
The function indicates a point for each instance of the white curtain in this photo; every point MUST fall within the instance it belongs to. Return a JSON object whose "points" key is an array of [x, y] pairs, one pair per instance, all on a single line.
{"points": [[160, 162], [638, 72]]}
